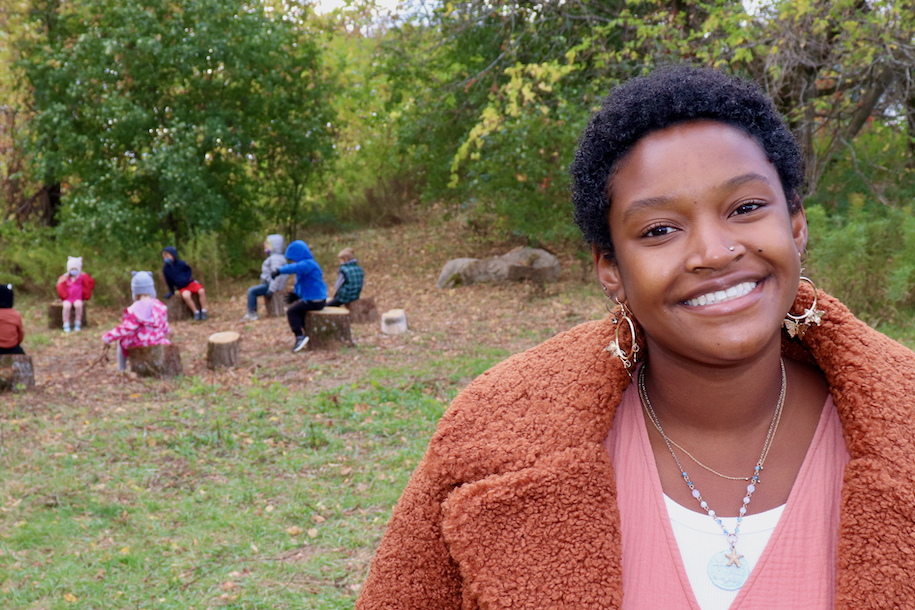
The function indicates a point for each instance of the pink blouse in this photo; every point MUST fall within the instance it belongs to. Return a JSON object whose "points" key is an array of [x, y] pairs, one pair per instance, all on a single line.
{"points": [[798, 566]]}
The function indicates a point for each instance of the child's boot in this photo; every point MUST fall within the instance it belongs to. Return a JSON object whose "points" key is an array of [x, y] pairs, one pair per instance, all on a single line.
{"points": [[203, 314], [76, 326], [197, 316], [66, 327]]}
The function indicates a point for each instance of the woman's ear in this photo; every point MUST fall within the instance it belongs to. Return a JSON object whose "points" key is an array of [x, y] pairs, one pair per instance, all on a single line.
{"points": [[799, 229], [608, 275]]}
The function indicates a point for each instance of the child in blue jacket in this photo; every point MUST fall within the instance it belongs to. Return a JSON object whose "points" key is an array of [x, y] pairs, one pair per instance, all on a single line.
{"points": [[310, 290]]}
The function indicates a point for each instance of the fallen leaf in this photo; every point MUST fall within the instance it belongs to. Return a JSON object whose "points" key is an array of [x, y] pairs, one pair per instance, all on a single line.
{"points": [[295, 530], [318, 519], [70, 598], [313, 533]]}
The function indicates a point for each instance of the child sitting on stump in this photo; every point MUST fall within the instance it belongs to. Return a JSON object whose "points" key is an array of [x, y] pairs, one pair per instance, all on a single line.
{"points": [[273, 248], [309, 287], [350, 277], [11, 332], [145, 322], [178, 275], [74, 287]]}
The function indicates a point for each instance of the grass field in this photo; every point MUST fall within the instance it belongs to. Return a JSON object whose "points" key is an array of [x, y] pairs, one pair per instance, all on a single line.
{"points": [[266, 486]]}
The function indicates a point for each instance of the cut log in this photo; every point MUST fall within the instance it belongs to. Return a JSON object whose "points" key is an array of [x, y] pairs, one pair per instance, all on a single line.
{"points": [[394, 322], [222, 349], [275, 305], [328, 328], [178, 309], [56, 315], [16, 373], [160, 361], [363, 311]]}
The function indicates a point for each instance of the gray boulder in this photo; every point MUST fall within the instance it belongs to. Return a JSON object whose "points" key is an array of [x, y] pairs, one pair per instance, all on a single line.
{"points": [[518, 265]]}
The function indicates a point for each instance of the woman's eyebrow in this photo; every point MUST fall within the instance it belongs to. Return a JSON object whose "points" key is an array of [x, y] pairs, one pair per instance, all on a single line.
{"points": [[728, 185]]}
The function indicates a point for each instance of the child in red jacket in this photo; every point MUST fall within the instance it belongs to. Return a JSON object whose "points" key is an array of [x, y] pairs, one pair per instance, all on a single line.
{"points": [[11, 333], [73, 288]]}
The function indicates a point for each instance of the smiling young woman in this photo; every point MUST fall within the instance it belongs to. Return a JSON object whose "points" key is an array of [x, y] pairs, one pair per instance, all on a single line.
{"points": [[743, 468]]}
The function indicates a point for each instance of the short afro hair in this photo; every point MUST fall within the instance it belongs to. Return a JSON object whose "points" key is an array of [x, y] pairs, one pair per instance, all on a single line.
{"points": [[668, 96]]}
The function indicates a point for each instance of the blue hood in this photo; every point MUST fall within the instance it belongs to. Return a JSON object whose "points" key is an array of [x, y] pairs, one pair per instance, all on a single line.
{"points": [[298, 251], [171, 250]]}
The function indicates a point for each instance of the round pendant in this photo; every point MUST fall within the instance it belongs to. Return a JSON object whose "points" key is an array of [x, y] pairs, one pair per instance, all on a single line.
{"points": [[728, 577]]}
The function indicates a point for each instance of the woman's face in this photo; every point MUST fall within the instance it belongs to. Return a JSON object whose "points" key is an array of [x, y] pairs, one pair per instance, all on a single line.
{"points": [[706, 250]]}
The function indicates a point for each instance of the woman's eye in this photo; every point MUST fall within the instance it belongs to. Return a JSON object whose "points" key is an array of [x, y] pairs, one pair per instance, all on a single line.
{"points": [[748, 207], [658, 231]]}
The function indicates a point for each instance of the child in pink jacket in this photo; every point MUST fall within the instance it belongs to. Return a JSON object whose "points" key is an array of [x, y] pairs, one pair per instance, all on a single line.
{"points": [[145, 322]]}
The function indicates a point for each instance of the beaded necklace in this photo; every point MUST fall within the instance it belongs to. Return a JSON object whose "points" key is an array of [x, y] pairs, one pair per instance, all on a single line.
{"points": [[724, 569]]}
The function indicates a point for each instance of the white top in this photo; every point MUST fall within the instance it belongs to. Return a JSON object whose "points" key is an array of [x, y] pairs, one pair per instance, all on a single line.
{"points": [[698, 535]]}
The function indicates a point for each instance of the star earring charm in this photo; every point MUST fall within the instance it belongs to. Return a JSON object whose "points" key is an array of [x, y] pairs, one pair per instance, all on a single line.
{"points": [[796, 326]]}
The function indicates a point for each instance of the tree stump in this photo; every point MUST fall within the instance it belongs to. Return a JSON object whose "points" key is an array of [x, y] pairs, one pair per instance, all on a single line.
{"points": [[159, 361], [275, 306], [363, 311], [222, 349], [16, 373], [328, 328], [394, 322], [56, 315], [178, 309]]}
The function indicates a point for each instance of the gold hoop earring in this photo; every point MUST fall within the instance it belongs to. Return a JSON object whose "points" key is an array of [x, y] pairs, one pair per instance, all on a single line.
{"points": [[797, 326], [628, 357]]}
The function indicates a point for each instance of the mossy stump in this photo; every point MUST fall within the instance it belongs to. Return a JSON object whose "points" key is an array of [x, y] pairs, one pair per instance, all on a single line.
{"points": [[16, 373]]}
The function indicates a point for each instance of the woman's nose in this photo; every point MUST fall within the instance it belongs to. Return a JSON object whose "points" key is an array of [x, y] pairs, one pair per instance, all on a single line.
{"points": [[713, 249]]}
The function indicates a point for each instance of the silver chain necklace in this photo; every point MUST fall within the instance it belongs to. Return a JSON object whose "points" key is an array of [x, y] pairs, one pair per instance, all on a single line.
{"points": [[724, 569]]}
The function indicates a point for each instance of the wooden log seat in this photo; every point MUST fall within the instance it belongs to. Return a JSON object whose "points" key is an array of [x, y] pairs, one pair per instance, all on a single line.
{"points": [[178, 309], [222, 349], [328, 328], [56, 315], [159, 361], [275, 305], [363, 311]]}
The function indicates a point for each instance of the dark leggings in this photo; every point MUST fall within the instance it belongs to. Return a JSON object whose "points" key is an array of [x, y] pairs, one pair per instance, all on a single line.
{"points": [[296, 314], [12, 350]]}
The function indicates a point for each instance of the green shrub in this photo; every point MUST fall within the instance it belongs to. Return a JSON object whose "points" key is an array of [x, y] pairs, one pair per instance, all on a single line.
{"points": [[865, 257]]}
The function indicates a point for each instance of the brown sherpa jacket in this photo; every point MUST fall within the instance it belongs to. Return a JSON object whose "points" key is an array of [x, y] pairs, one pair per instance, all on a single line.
{"points": [[514, 504]]}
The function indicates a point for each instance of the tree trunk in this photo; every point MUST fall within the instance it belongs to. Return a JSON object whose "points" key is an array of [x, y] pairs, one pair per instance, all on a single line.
{"points": [[16, 373], [222, 349], [363, 311], [178, 309], [159, 361], [328, 328], [274, 305], [56, 315]]}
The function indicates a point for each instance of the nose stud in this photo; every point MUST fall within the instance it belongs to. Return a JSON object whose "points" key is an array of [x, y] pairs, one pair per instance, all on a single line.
{"points": [[731, 248]]}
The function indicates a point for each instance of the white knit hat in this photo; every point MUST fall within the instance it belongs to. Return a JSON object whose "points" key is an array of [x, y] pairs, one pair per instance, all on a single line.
{"points": [[75, 262]]}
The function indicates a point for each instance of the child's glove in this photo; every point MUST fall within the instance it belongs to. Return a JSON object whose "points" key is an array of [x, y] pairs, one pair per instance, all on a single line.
{"points": [[169, 295], [275, 274], [291, 298]]}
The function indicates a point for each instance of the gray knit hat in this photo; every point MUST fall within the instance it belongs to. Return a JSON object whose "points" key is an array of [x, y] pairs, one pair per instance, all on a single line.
{"points": [[142, 283]]}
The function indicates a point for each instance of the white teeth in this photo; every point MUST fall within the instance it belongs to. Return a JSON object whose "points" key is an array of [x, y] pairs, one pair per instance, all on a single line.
{"points": [[720, 296]]}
